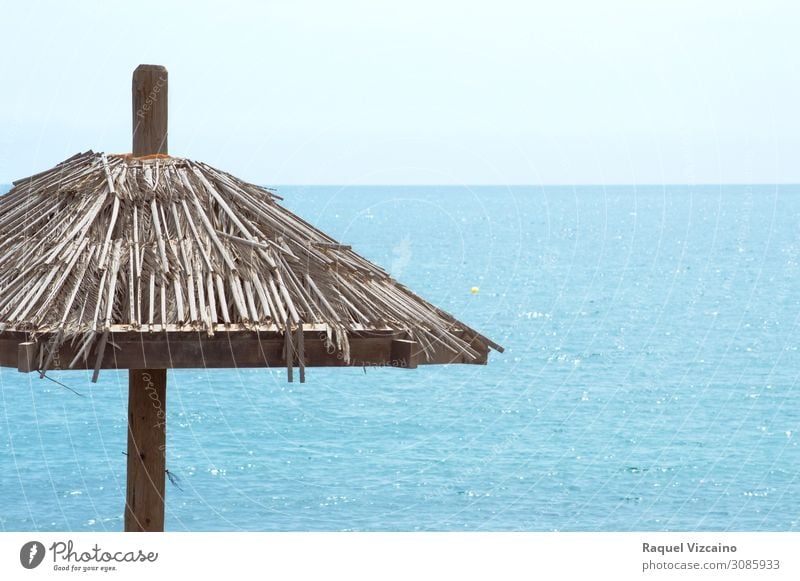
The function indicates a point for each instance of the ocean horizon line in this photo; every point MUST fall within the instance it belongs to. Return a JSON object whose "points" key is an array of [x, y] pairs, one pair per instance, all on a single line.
{"points": [[548, 185], [8, 185]]}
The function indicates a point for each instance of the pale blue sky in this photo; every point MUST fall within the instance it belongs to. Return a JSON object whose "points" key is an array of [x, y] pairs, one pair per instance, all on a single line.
{"points": [[451, 92]]}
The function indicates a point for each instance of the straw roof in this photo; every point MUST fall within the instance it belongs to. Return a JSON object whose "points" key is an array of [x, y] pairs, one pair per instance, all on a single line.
{"points": [[112, 243]]}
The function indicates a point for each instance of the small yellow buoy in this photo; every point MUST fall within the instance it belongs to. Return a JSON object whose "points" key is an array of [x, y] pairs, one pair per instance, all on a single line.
{"points": [[474, 290]]}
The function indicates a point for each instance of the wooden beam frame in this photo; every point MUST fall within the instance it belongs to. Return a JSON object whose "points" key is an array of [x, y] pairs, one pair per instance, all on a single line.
{"points": [[176, 350]]}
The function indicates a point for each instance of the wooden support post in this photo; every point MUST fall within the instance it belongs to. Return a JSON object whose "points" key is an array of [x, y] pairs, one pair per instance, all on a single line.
{"points": [[147, 451], [149, 110], [147, 388]]}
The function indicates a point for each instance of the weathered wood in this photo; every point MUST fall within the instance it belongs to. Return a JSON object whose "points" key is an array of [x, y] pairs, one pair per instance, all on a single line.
{"points": [[405, 353], [288, 354], [149, 110], [27, 355], [301, 353], [240, 349], [147, 431], [253, 262], [147, 387]]}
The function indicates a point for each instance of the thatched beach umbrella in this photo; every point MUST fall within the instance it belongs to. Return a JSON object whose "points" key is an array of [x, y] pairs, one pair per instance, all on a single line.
{"points": [[146, 262]]}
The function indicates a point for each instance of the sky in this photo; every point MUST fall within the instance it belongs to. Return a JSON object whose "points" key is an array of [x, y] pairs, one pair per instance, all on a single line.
{"points": [[416, 92]]}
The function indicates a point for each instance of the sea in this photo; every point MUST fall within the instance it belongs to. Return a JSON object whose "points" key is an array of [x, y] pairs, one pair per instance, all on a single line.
{"points": [[649, 381]]}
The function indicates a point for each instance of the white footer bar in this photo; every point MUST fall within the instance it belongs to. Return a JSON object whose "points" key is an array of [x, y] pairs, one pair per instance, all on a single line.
{"points": [[406, 556]]}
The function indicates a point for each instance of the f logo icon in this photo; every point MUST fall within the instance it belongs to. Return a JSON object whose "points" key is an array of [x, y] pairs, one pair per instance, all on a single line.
{"points": [[31, 554]]}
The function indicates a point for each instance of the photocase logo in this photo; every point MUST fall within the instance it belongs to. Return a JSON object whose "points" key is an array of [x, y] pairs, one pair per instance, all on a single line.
{"points": [[31, 554]]}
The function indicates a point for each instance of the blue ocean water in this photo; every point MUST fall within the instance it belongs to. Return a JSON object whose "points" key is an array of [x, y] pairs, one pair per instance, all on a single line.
{"points": [[650, 381]]}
